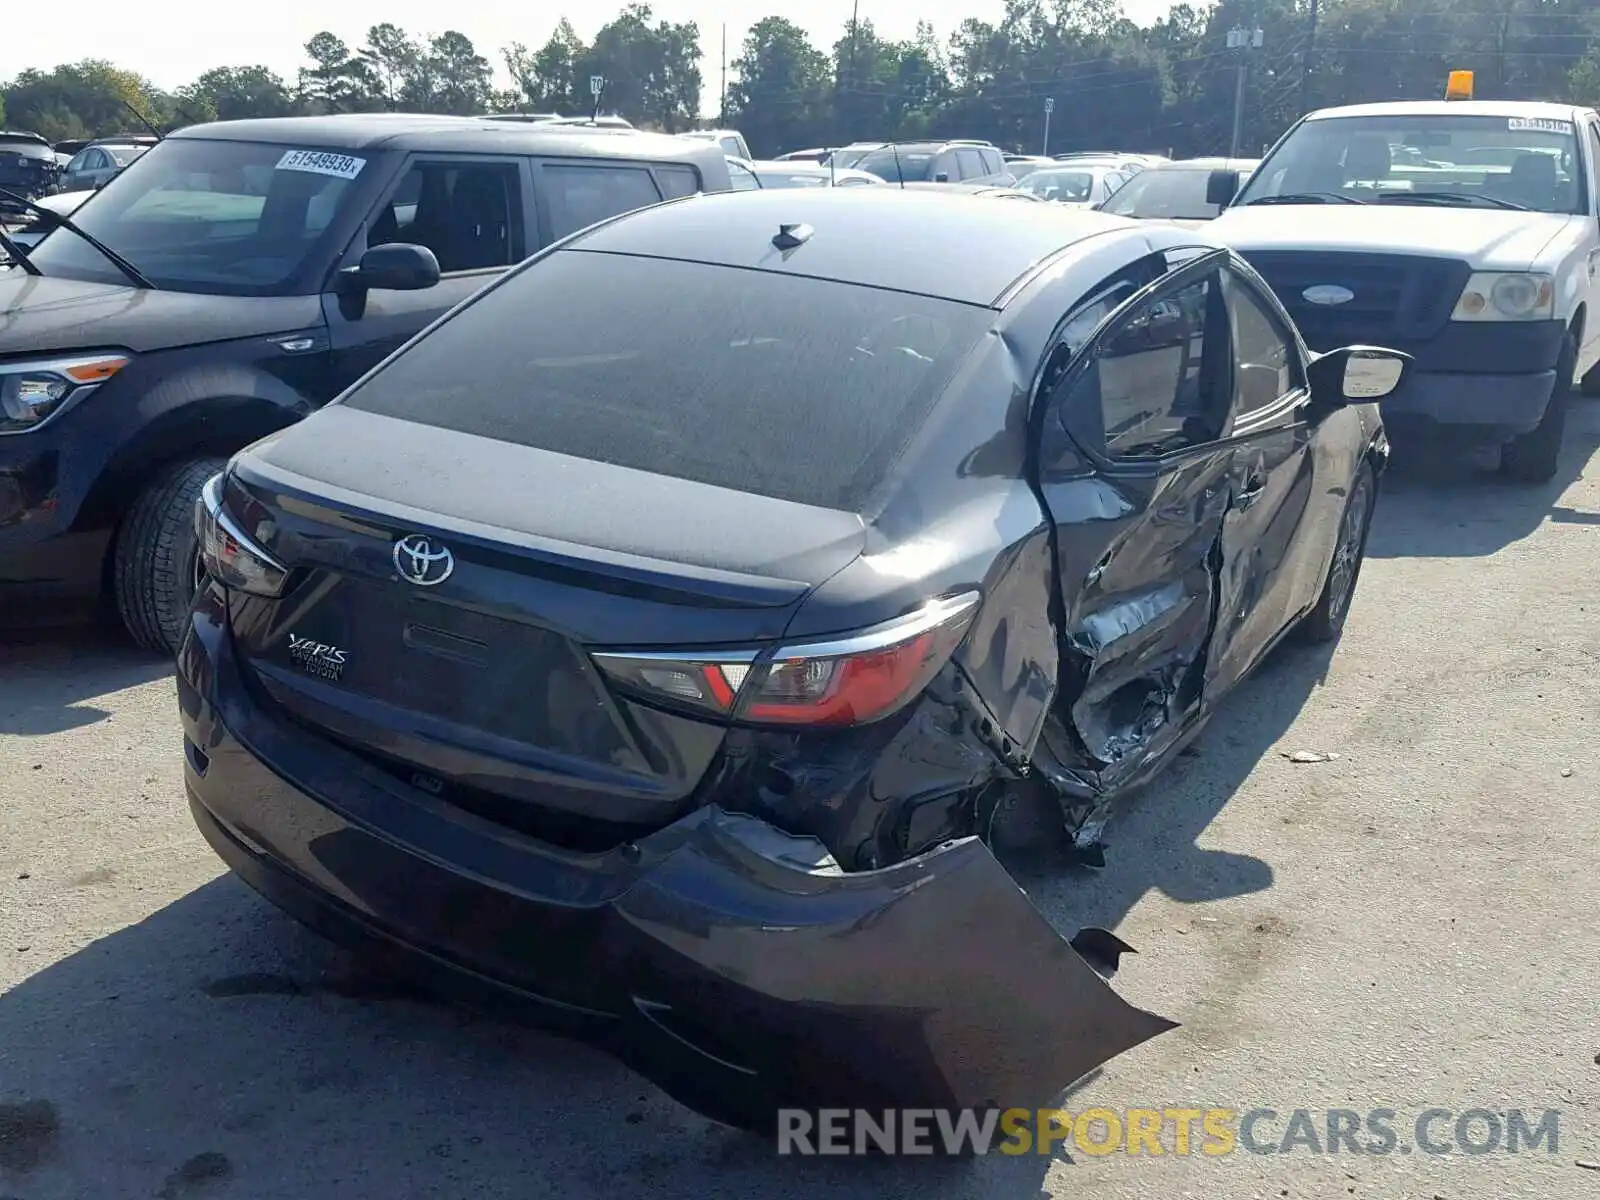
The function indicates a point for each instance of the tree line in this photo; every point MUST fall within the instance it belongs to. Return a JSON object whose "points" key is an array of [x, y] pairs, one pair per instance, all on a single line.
{"points": [[1167, 87]]}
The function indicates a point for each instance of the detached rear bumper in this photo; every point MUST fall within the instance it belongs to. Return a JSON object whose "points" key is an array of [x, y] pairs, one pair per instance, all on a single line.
{"points": [[732, 964]]}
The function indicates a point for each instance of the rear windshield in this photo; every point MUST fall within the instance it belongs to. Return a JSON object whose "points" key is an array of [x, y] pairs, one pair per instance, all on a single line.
{"points": [[1172, 194], [26, 147], [1070, 187], [895, 165], [795, 388]]}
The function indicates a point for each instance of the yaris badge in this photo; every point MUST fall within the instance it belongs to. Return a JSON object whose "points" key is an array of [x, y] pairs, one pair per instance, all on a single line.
{"points": [[1328, 293], [423, 561]]}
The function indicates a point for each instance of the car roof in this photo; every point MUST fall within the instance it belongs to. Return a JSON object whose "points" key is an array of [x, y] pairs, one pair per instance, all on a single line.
{"points": [[416, 131], [945, 244], [21, 135], [1462, 108]]}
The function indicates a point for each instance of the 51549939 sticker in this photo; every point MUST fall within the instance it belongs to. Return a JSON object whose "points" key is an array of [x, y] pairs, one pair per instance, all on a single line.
{"points": [[1538, 125], [322, 162]]}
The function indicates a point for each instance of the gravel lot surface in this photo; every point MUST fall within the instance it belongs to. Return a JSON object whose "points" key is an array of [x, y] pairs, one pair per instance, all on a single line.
{"points": [[1410, 924]]}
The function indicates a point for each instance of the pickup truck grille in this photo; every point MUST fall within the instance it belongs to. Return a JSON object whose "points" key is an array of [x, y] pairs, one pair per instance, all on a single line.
{"points": [[1399, 299]]}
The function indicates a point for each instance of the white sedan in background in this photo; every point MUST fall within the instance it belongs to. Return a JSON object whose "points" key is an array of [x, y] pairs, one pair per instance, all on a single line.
{"points": [[1074, 186], [748, 176]]}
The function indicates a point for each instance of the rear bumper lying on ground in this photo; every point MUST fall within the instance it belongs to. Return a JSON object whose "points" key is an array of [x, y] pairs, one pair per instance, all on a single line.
{"points": [[731, 963]]}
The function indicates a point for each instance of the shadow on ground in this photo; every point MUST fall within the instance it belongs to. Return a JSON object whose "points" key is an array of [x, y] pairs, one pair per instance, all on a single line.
{"points": [[49, 679], [1490, 513]]}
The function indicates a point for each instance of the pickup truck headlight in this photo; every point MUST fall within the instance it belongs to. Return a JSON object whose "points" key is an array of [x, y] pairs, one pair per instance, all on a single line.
{"points": [[1506, 296], [33, 391]]}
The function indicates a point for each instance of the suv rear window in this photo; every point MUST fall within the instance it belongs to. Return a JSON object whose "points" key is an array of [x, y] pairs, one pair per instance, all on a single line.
{"points": [[801, 389]]}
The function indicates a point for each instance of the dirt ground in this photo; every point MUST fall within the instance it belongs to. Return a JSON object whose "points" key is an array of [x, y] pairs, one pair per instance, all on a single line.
{"points": [[1408, 925]]}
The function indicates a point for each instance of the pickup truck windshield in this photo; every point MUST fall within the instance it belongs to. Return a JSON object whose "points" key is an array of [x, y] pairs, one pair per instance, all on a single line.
{"points": [[1437, 159], [217, 217]]}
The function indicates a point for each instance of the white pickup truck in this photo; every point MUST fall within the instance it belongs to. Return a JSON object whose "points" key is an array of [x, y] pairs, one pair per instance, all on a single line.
{"points": [[1466, 233]]}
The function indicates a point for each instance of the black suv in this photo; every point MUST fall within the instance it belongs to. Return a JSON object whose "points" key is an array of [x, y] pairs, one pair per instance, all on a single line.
{"points": [[231, 280], [28, 167]]}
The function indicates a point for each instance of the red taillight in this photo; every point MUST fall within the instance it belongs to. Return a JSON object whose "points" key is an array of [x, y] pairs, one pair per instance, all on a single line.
{"points": [[847, 680]]}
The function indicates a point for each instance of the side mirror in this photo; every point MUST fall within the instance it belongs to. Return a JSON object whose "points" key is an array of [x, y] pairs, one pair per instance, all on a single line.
{"points": [[393, 267], [1357, 375], [942, 177], [1222, 187]]}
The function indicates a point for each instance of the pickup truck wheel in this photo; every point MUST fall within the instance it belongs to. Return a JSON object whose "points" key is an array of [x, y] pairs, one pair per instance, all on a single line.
{"points": [[1534, 456], [1325, 622], [155, 569]]}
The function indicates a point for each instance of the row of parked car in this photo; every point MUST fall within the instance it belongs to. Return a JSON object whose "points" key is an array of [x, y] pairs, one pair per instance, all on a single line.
{"points": [[33, 167], [1145, 186]]}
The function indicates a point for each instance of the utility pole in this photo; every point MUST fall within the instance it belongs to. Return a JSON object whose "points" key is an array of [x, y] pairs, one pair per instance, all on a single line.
{"points": [[855, 36], [1242, 40], [1306, 62], [1049, 107], [722, 115]]}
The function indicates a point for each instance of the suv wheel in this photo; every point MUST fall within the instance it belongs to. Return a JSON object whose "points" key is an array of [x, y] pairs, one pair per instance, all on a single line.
{"points": [[155, 569], [1534, 456]]}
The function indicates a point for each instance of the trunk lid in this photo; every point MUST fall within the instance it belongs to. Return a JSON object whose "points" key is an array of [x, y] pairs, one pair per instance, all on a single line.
{"points": [[478, 686]]}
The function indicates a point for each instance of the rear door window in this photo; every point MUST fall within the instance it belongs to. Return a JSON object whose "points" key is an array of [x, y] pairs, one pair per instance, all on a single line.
{"points": [[577, 195], [803, 389]]}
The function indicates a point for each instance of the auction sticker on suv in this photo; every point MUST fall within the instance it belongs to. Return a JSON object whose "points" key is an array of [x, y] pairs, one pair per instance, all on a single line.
{"points": [[320, 162], [1539, 124]]}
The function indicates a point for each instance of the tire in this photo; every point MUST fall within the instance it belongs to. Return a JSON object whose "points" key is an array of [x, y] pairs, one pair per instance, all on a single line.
{"points": [[1325, 622], [155, 568], [1535, 456]]}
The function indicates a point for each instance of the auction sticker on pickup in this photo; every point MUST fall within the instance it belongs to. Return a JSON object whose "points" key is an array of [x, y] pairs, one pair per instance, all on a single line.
{"points": [[321, 162], [1540, 124]]}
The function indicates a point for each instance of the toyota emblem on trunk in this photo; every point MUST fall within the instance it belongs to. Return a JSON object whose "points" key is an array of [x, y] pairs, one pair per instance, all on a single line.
{"points": [[423, 561], [1328, 293]]}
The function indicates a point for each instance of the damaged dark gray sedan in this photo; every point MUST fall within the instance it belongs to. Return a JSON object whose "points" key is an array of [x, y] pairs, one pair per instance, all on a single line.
{"points": [[651, 642]]}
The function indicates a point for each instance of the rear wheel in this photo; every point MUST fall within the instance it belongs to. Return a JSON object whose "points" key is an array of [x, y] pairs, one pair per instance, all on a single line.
{"points": [[1326, 621], [1535, 456], [156, 569]]}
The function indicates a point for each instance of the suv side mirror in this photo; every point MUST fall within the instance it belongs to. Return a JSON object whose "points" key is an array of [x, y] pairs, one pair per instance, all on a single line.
{"points": [[393, 267], [942, 177], [1222, 187], [1356, 375]]}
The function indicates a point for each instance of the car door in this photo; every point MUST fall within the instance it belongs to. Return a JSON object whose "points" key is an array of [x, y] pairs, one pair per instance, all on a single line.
{"points": [[1134, 469], [1264, 571], [470, 211], [76, 177]]}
